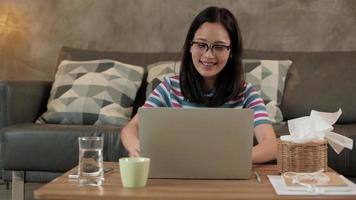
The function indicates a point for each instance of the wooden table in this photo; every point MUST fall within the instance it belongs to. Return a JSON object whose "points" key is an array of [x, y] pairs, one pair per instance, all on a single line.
{"points": [[64, 188]]}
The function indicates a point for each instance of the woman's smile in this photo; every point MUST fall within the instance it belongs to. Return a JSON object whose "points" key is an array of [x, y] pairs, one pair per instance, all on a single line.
{"points": [[208, 64]]}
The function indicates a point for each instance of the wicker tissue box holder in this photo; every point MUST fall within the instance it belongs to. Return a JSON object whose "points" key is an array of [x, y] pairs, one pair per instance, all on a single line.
{"points": [[302, 157]]}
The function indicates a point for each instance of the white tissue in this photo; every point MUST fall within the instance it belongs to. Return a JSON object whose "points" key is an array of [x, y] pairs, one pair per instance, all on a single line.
{"points": [[317, 126], [338, 142]]}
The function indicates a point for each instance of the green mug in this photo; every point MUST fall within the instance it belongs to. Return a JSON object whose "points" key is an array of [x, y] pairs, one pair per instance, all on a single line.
{"points": [[134, 171]]}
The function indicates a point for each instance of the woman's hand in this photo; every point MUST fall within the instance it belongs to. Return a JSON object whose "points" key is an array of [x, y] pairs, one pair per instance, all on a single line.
{"points": [[130, 139]]}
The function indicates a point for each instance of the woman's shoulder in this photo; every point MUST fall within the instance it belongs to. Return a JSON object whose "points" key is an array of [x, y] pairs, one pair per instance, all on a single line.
{"points": [[172, 80], [249, 85], [247, 88], [246, 91]]}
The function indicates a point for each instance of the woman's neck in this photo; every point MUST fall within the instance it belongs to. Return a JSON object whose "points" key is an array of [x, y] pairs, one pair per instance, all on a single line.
{"points": [[209, 84]]}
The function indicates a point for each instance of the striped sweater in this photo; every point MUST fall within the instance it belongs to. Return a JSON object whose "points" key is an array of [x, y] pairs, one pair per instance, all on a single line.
{"points": [[168, 94]]}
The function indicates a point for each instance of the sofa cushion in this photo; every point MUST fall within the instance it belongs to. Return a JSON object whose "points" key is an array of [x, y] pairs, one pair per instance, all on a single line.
{"points": [[54, 147], [93, 92], [267, 75], [34, 176], [321, 81]]}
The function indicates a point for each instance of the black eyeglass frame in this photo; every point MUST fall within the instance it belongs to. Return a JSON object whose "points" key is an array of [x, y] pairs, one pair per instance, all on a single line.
{"points": [[210, 46]]}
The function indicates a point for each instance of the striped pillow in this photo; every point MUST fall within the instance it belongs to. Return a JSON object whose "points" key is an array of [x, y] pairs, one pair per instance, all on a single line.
{"points": [[94, 92]]}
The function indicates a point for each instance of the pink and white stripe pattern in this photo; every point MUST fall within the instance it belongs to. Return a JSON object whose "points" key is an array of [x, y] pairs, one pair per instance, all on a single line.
{"points": [[168, 94]]}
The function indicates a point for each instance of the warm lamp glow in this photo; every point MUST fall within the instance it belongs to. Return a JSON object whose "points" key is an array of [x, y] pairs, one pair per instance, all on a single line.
{"points": [[8, 21]]}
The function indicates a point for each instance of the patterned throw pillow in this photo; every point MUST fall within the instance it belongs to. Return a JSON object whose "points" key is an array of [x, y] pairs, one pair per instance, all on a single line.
{"points": [[93, 92], [267, 75]]}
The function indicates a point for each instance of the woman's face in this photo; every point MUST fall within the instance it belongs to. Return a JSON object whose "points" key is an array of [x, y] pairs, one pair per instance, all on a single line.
{"points": [[210, 51]]}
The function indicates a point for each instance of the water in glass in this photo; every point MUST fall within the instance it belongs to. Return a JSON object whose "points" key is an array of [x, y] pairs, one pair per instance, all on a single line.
{"points": [[90, 169]]}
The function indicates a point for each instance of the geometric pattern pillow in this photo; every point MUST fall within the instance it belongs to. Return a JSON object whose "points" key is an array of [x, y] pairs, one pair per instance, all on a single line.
{"points": [[268, 76], [157, 71], [94, 92]]}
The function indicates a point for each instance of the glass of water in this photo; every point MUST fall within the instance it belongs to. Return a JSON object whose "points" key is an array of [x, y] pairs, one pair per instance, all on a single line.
{"points": [[90, 168]]}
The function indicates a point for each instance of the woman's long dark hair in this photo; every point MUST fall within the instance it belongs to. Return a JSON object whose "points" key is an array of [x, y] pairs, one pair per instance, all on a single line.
{"points": [[230, 81]]}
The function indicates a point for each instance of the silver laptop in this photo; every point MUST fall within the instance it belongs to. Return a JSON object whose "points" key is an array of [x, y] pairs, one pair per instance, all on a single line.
{"points": [[197, 143]]}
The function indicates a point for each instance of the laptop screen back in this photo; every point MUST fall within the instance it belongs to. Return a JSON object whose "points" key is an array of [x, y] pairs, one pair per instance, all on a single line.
{"points": [[200, 143]]}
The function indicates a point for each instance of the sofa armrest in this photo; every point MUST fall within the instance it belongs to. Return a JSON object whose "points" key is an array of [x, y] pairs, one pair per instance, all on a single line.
{"points": [[54, 147], [22, 101]]}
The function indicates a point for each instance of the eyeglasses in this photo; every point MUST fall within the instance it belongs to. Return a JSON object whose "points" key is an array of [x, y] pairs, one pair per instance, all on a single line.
{"points": [[216, 49]]}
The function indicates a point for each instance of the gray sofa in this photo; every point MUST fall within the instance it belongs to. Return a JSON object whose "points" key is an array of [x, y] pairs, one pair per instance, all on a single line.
{"points": [[316, 80]]}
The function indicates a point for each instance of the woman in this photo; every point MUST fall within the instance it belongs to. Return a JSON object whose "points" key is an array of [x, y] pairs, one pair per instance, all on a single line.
{"points": [[211, 75]]}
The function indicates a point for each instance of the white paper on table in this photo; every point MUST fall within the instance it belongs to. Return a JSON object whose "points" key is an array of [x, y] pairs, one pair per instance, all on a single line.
{"points": [[317, 126], [282, 189]]}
